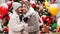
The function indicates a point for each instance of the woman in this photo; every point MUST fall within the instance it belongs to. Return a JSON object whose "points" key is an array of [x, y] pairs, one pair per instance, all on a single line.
{"points": [[31, 19], [16, 26]]}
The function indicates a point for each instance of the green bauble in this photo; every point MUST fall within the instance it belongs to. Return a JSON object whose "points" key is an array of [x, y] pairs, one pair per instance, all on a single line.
{"points": [[54, 25]]}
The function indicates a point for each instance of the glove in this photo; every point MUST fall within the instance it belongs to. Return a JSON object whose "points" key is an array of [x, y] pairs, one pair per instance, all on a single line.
{"points": [[21, 16], [25, 19]]}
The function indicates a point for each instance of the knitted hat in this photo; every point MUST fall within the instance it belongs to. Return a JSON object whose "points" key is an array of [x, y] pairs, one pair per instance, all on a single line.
{"points": [[16, 5]]}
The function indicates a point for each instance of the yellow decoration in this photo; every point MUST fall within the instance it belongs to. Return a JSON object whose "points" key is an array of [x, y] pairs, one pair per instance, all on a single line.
{"points": [[54, 9], [46, 4]]}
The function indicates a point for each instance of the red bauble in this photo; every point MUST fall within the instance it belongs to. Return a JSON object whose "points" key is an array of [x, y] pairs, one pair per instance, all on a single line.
{"points": [[6, 29], [3, 11], [48, 20], [33, 5], [9, 3], [44, 18], [0, 13]]}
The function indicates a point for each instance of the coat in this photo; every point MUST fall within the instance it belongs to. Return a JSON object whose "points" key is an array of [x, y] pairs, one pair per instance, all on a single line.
{"points": [[33, 21], [15, 26]]}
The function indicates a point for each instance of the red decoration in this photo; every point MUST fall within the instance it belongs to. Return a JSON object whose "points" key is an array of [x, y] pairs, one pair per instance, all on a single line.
{"points": [[33, 5], [9, 3], [0, 13], [48, 20], [3, 11], [6, 29], [57, 30], [44, 19]]}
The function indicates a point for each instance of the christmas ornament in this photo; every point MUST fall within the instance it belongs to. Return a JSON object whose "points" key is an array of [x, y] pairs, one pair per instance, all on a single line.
{"points": [[9, 3], [33, 5], [53, 9], [54, 25], [4, 10], [48, 20], [44, 18], [46, 4], [0, 13], [6, 29]]}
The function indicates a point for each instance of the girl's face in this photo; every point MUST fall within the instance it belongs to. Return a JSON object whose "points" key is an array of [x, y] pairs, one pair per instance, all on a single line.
{"points": [[19, 9], [24, 8]]}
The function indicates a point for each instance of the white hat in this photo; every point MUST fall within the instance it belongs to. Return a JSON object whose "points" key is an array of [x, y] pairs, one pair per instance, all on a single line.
{"points": [[5, 5], [16, 5]]}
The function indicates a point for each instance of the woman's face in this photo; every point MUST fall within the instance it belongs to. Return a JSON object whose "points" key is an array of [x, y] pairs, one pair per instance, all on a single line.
{"points": [[24, 8], [19, 9]]}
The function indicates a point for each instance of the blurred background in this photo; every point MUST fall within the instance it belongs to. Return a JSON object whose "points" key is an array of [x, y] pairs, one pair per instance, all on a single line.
{"points": [[48, 10]]}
